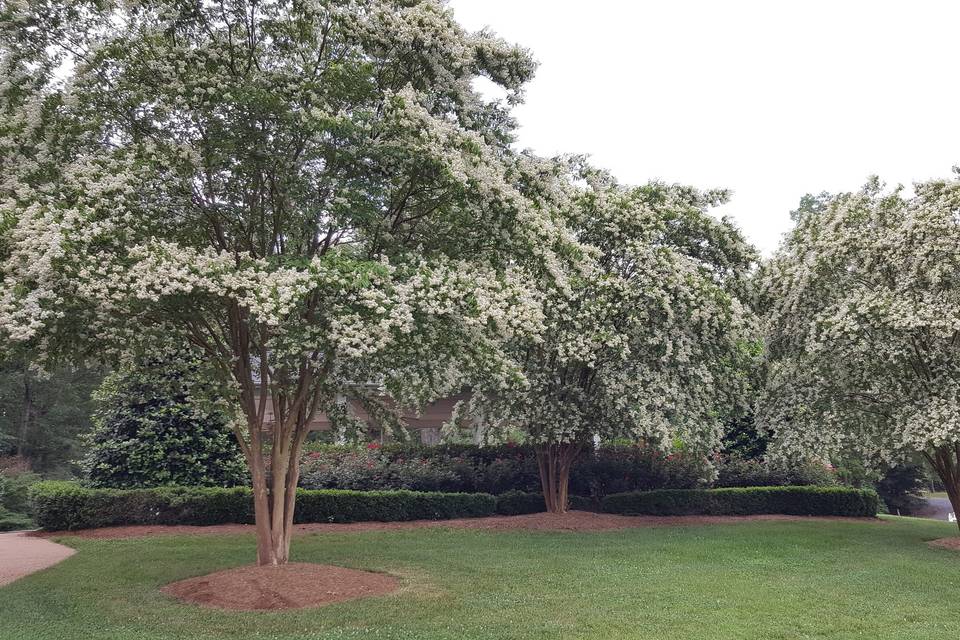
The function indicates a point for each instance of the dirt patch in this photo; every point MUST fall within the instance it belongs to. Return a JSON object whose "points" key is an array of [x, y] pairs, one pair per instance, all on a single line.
{"points": [[571, 521], [946, 543], [292, 586]]}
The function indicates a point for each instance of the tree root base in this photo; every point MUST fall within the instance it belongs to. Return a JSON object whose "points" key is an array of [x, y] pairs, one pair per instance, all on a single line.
{"points": [[291, 586]]}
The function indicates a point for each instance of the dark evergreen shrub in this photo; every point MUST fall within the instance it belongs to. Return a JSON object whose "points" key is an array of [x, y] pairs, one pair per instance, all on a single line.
{"points": [[807, 501], [155, 426]]}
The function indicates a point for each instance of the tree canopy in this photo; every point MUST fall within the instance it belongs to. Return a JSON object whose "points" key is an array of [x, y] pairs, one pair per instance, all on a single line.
{"points": [[312, 193], [652, 341], [863, 329]]}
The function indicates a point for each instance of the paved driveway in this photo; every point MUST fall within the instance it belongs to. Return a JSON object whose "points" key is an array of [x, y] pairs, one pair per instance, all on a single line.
{"points": [[935, 508], [21, 555]]}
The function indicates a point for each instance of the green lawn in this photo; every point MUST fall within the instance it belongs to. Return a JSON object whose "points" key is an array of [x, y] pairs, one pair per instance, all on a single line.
{"points": [[752, 580], [937, 494]]}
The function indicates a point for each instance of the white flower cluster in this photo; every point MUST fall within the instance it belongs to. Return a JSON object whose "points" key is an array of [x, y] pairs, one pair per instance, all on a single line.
{"points": [[314, 195], [332, 202], [647, 343], [863, 327]]}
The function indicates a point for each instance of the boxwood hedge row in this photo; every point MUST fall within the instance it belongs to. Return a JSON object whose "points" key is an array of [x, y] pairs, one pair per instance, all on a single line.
{"points": [[514, 503], [805, 501], [67, 506]]}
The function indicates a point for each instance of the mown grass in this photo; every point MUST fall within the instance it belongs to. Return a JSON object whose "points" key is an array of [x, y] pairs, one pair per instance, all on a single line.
{"points": [[767, 580]]}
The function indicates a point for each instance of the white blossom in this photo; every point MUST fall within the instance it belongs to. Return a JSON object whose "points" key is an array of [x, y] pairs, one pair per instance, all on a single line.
{"points": [[863, 326], [652, 341]]}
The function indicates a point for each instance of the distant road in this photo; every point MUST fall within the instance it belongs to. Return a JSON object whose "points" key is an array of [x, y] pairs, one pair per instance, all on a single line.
{"points": [[937, 508]]}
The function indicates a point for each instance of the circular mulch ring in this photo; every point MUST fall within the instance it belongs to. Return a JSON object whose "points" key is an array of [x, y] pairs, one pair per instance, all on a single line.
{"points": [[295, 585], [946, 543]]}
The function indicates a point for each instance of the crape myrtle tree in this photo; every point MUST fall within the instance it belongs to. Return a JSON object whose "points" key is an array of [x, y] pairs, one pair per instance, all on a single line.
{"points": [[862, 312], [653, 342], [310, 192]]}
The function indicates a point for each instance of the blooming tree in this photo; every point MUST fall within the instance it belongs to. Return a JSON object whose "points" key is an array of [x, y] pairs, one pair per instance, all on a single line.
{"points": [[652, 342], [863, 329], [311, 192]]}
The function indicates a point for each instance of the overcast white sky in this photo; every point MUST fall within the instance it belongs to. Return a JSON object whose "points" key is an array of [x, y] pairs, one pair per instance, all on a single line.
{"points": [[769, 99]]}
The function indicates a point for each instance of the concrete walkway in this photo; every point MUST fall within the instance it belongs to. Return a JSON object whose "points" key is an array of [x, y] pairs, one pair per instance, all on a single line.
{"points": [[21, 555]]}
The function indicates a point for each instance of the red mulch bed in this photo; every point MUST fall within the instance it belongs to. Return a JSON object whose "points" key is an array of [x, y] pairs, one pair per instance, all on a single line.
{"points": [[571, 521], [292, 586], [946, 543]]}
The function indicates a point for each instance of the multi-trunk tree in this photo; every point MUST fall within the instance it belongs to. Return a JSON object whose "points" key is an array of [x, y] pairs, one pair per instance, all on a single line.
{"points": [[312, 193], [652, 341], [863, 329]]}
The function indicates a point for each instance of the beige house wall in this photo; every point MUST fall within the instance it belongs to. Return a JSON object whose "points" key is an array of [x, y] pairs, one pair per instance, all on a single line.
{"points": [[427, 422]]}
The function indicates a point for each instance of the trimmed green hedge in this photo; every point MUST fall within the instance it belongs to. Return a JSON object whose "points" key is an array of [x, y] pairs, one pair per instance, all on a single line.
{"points": [[67, 505], [514, 503], [805, 501], [340, 505]]}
